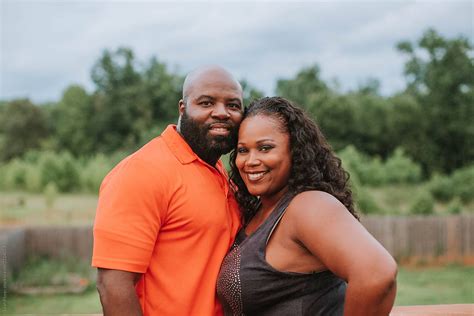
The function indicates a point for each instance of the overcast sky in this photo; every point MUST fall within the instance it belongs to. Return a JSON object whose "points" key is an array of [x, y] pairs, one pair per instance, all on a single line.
{"points": [[48, 45]]}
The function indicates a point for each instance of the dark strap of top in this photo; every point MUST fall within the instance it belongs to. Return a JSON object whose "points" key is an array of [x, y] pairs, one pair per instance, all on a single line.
{"points": [[266, 229]]}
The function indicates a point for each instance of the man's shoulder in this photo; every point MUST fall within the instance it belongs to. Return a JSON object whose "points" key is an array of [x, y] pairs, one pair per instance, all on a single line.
{"points": [[151, 158]]}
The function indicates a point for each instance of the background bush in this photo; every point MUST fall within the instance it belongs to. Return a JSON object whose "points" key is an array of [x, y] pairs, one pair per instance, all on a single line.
{"points": [[423, 204], [460, 184], [372, 171], [37, 170]]}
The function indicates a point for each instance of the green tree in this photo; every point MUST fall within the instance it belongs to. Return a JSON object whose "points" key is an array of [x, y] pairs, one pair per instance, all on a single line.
{"points": [[440, 75], [163, 91], [73, 116], [122, 111], [307, 89], [23, 127], [250, 93]]}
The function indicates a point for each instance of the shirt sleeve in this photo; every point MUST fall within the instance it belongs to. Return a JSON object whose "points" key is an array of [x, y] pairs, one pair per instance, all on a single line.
{"points": [[128, 218]]}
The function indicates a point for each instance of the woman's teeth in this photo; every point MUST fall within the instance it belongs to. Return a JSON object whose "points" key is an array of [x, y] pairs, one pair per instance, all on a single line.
{"points": [[255, 176]]}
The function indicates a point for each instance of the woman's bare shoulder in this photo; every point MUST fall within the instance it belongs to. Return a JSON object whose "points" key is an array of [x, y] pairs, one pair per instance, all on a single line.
{"points": [[315, 203]]}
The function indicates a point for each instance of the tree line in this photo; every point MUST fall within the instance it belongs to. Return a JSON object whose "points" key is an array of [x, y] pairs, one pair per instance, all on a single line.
{"points": [[430, 120]]}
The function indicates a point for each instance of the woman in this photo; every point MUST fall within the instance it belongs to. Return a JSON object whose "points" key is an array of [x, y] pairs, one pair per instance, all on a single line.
{"points": [[302, 250]]}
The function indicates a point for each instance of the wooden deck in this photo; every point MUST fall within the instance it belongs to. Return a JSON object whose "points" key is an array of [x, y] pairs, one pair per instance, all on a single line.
{"points": [[434, 310]]}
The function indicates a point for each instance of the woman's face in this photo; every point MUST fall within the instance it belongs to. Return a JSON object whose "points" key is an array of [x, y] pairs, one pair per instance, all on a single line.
{"points": [[263, 156]]}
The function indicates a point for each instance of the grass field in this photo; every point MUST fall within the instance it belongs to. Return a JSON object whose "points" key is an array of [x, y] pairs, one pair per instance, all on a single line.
{"points": [[17, 208], [416, 286]]}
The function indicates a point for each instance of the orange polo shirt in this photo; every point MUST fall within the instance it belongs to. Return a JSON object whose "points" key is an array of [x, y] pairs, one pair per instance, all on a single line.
{"points": [[165, 213]]}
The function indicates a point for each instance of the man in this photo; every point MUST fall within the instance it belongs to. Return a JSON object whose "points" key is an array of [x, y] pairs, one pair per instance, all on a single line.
{"points": [[166, 216]]}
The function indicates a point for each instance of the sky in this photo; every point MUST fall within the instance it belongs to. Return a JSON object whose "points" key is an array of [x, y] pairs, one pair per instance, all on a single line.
{"points": [[48, 45]]}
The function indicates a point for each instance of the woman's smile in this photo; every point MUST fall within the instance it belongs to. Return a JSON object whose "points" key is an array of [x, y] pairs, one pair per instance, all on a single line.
{"points": [[263, 156]]}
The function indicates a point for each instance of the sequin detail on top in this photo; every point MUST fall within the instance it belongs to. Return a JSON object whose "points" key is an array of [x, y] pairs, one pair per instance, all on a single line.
{"points": [[229, 286]]}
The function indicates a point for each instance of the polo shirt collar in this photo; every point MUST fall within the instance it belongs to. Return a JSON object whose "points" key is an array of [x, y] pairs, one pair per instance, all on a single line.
{"points": [[181, 149], [178, 146]]}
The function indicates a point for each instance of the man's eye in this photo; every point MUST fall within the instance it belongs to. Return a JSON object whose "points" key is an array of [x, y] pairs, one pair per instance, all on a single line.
{"points": [[234, 105], [205, 103]]}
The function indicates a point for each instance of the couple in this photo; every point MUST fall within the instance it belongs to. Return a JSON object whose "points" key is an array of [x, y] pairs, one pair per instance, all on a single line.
{"points": [[173, 236]]}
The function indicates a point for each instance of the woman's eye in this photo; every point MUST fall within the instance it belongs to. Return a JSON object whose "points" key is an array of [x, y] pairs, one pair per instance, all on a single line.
{"points": [[241, 150], [265, 148]]}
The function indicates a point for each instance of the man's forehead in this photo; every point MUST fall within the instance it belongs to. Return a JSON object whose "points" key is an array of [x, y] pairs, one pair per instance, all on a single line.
{"points": [[227, 95], [211, 78]]}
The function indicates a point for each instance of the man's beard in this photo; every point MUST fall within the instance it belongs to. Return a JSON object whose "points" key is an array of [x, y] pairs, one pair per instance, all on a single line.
{"points": [[209, 148]]}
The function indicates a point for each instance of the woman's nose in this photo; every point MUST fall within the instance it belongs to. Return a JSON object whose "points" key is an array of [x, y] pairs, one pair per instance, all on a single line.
{"points": [[252, 159]]}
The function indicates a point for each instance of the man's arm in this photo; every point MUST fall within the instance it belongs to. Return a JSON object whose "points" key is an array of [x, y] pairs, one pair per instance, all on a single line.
{"points": [[117, 292]]}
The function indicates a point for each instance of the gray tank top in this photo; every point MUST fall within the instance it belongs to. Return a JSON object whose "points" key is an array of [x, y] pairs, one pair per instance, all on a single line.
{"points": [[248, 285]]}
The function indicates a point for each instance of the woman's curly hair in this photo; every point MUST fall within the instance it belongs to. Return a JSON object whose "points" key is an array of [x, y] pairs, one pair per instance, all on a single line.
{"points": [[314, 165]]}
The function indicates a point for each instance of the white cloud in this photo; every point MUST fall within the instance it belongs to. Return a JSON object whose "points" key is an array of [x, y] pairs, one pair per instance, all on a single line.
{"points": [[47, 45]]}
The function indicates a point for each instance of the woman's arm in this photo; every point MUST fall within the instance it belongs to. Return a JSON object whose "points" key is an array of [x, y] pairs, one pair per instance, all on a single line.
{"points": [[327, 229]]}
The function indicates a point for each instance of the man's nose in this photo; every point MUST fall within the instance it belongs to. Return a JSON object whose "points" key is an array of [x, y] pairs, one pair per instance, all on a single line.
{"points": [[220, 111]]}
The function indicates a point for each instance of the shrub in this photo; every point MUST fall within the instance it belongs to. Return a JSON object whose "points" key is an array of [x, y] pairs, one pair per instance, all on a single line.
{"points": [[455, 206], [398, 168], [365, 203], [33, 179], [15, 174], [441, 187], [423, 204], [459, 184], [61, 169], [2, 177], [44, 271], [50, 194], [463, 183], [93, 172]]}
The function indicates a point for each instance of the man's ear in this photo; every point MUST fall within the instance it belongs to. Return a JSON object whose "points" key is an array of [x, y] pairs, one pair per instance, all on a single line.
{"points": [[181, 106]]}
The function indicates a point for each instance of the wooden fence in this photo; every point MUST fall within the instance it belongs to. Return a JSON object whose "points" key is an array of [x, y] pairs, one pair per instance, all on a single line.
{"points": [[427, 238]]}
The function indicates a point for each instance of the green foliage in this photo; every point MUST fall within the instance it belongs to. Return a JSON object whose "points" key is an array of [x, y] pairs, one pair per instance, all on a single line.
{"points": [[61, 169], [398, 168], [463, 182], [73, 121], [460, 184], [365, 203], [38, 171], [440, 76], [119, 100], [427, 125], [305, 89], [250, 93], [22, 127], [441, 187], [130, 99], [368, 170], [41, 271], [50, 194], [14, 174], [162, 90], [455, 206], [423, 204], [93, 172]]}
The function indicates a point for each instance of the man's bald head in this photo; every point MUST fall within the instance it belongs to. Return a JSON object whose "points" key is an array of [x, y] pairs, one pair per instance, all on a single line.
{"points": [[210, 112], [208, 75]]}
